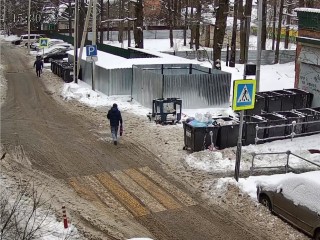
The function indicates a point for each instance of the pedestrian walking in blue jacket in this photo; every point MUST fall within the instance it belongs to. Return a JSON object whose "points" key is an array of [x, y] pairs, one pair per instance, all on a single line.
{"points": [[39, 65], [115, 118]]}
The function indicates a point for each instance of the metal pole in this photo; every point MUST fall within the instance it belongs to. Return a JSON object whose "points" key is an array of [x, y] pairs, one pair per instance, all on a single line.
{"points": [[29, 12], [4, 17], [75, 43], [85, 31], [259, 45], [239, 143], [94, 39]]}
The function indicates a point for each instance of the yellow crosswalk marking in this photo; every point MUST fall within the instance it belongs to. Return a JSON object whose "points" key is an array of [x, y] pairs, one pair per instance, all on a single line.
{"points": [[153, 189], [182, 196], [131, 203], [138, 191]]}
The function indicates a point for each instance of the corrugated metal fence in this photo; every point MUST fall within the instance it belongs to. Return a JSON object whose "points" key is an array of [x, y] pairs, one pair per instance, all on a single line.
{"points": [[108, 81], [198, 87]]}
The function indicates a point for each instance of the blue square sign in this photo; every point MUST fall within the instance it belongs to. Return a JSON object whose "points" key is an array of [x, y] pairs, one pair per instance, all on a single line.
{"points": [[91, 50], [244, 94]]}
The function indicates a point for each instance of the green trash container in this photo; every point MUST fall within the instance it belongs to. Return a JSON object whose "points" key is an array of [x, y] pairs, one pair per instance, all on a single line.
{"points": [[292, 116], [274, 120], [199, 138], [313, 117], [302, 99], [249, 129], [228, 132], [259, 106], [287, 100], [272, 101]]}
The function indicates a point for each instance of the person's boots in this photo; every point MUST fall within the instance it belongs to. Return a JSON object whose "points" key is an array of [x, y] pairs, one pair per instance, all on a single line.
{"points": [[115, 142]]}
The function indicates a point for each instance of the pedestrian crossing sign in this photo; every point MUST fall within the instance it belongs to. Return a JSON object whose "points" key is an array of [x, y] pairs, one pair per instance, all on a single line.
{"points": [[43, 42], [244, 92]]}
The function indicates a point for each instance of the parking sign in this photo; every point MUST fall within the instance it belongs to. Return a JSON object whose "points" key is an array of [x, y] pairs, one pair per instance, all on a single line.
{"points": [[91, 51]]}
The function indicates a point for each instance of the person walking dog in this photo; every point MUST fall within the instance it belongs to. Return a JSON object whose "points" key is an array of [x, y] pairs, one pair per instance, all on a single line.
{"points": [[39, 65], [114, 115]]}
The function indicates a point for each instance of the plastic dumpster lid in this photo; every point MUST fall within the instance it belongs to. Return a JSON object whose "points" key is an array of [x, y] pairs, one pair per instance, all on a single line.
{"points": [[279, 115]]}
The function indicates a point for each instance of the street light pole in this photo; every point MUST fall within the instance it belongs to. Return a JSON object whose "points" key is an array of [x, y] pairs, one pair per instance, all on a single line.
{"points": [[29, 12], [75, 43], [259, 45], [94, 38]]}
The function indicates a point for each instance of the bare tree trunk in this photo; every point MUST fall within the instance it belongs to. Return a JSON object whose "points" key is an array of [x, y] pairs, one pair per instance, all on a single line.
{"points": [[264, 25], [82, 16], [207, 40], [120, 32], [197, 37], [170, 22], [232, 61], [138, 30], [301, 3], [310, 3], [219, 31], [191, 25], [243, 48], [276, 59], [242, 31], [185, 23], [70, 18], [101, 19], [288, 21], [274, 23], [108, 16], [129, 25]]}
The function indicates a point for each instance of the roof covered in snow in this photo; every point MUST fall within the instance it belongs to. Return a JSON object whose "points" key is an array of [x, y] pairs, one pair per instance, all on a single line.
{"points": [[313, 10], [110, 61]]}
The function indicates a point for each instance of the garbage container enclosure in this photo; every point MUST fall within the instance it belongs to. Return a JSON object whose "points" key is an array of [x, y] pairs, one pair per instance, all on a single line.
{"points": [[287, 100], [249, 128], [292, 116], [198, 138], [302, 99], [311, 116], [274, 120], [272, 101]]}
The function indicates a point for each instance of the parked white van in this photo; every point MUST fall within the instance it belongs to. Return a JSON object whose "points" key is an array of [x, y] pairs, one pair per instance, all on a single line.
{"points": [[24, 39]]}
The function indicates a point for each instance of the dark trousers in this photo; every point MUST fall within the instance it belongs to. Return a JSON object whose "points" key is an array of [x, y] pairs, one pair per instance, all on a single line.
{"points": [[38, 71]]}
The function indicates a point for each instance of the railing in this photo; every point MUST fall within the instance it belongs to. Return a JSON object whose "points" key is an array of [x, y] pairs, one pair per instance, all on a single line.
{"points": [[294, 126], [286, 166]]}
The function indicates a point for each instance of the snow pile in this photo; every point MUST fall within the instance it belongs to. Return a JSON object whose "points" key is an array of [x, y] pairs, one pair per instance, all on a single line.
{"points": [[10, 38], [31, 211]]}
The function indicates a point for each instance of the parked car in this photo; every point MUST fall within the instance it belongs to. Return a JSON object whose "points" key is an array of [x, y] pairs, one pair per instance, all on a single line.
{"points": [[296, 200], [24, 38], [49, 50], [56, 54]]}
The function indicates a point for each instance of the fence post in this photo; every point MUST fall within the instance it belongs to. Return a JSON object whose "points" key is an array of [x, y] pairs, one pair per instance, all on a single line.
{"points": [[252, 163], [293, 129], [256, 138], [288, 156]]}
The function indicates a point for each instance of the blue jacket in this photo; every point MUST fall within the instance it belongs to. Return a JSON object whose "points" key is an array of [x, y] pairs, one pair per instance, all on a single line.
{"points": [[114, 116], [38, 64]]}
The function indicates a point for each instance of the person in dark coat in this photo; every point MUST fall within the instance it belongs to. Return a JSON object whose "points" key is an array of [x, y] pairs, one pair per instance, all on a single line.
{"points": [[39, 65], [115, 118]]}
